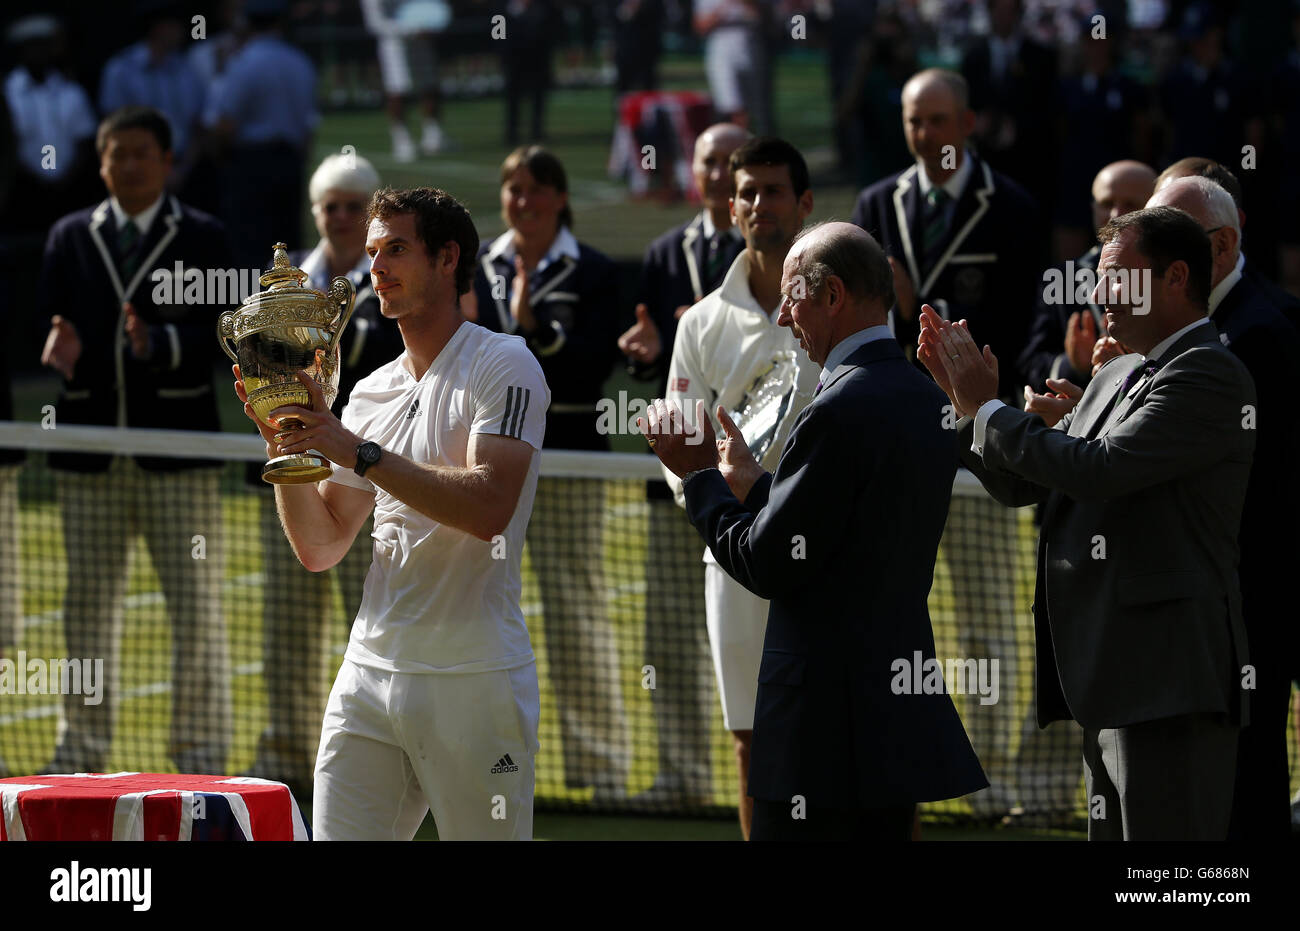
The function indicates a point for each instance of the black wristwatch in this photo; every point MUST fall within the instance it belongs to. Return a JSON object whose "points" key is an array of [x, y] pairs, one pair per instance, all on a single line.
{"points": [[367, 455]]}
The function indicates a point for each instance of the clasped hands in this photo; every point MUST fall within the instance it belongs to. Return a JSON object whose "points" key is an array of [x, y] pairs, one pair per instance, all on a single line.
{"points": [[684, 448], [316, 428], [966, 374]]}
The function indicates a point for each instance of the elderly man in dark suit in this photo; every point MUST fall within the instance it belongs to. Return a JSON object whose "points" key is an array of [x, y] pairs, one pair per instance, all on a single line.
{"points": [[1137, 608], [1193, 166], [1255, 331], [680, 268], [968, 241], [131, 355], [843, 746]]}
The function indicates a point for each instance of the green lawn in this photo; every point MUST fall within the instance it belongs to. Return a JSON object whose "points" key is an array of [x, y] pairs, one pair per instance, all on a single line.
{"points": [[27, 723]]}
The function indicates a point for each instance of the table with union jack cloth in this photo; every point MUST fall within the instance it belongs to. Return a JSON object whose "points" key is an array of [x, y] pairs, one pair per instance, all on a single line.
{"points": [[147, 806]]}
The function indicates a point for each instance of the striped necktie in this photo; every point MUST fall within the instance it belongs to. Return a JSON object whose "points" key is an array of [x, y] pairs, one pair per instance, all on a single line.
{"points": [[936, 222], [713, 257], [128, 241]]}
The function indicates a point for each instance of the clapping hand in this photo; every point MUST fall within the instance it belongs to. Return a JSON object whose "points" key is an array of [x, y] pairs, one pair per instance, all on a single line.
{"points": [[1080, 338], [1107, 348], [137, 331], [1059, 400], [735, 459], [62, 347], [520, 307], [681, 447], [640, 342], [966, 374]]}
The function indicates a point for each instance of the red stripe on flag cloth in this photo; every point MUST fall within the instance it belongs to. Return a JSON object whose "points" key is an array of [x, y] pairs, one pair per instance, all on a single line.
{"points": [[162, 816], [82, 807]]}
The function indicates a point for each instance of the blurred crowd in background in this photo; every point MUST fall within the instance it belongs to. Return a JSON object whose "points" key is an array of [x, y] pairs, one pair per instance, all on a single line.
{"points": [[1172, 78]]}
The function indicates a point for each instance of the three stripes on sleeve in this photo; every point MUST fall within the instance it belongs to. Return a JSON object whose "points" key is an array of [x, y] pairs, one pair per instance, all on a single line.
{"points": [[512, 424]]}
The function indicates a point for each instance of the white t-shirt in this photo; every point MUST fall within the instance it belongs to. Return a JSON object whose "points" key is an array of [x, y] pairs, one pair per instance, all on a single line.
{"points": [[436, 601]]}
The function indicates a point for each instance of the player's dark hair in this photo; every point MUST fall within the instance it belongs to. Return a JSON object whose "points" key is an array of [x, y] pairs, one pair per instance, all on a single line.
{"points": [[858, 261], [439, 219], [1166, 235], [146, 118], [769, 150], [545, 168]]}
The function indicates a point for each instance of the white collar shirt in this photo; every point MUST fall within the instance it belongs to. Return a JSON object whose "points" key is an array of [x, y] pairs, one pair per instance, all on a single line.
{"points": [[564, 244], [955, 184], [142, 220], [1229, 281]]}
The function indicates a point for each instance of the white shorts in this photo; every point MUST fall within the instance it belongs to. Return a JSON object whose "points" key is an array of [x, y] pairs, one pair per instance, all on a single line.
{"points": [[737, 620], [395, 745], [730, 60], [406, 64]]}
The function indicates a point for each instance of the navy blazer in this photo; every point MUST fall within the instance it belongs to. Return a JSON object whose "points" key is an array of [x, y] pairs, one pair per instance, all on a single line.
{"points": [[990, 266], [173, 389], [578, 323], [1279, 297], [675, 273], [1254, 330], [843, 540]]}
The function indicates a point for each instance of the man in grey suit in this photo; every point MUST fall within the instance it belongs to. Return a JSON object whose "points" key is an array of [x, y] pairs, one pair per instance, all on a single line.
{"points": [[1137, 608]]}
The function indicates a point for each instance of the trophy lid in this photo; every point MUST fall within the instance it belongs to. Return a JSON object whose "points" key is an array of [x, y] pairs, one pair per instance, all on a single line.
{"points": [[282, 275]]}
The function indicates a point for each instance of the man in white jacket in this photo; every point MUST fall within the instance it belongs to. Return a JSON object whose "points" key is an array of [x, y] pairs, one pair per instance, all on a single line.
{"points": [[730, 351]]}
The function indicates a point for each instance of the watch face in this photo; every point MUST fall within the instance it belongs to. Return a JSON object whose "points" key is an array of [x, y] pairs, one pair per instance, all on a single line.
{"points": [[370, 453]]}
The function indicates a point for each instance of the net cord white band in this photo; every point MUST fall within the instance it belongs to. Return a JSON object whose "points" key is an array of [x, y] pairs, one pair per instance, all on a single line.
{"points": [[188, 444]]}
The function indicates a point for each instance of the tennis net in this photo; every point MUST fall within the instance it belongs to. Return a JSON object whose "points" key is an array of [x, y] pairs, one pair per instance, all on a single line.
{"points": [[154, 618]]}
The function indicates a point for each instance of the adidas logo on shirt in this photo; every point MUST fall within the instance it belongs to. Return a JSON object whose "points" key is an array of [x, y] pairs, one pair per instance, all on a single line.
{"points": [[415, 409], [505, 765]]}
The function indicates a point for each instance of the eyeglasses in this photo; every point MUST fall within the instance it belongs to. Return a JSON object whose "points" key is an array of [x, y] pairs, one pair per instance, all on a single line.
{"points": [[1215, 230]]}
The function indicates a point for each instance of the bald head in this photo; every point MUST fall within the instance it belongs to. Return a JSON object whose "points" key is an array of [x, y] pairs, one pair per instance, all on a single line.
{"points": [[713, 149], [1119, 188], [1212, 207], [728, 134], [845, 251], [1209, 204], [934, 83], [835, 282]]}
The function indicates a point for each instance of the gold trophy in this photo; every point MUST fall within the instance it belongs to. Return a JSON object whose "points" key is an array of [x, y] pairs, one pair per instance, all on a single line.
{"points": [[281, 331]]}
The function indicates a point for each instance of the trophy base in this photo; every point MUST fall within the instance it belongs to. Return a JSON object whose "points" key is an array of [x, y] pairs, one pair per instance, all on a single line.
{"points": [[298, 469]]}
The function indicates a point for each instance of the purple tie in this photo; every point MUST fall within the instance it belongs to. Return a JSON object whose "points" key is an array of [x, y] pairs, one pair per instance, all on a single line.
{"points": [[1142, 371]]}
